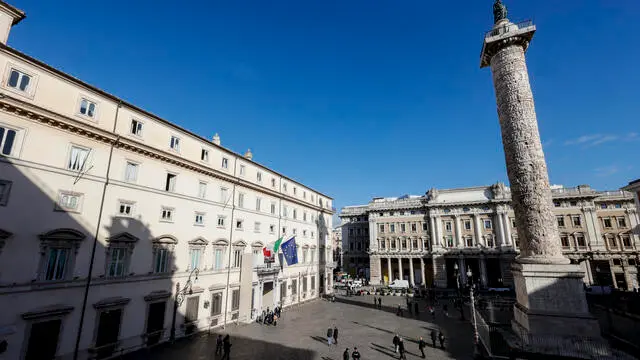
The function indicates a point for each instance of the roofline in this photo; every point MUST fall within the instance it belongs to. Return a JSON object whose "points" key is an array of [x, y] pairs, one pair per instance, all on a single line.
{"points": [[77, 81], [18, 15]]}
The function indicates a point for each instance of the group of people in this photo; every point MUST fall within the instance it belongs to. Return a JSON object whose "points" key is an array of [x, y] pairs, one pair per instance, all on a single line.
{"points": [[223, 346], [377, 305], [398, 343], [332, 339], [269, 317]]}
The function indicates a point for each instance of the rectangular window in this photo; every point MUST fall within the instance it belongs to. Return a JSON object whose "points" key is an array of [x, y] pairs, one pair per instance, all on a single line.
{"points": [[577, 222], [449, 241], [424, 226], [240, 200], [136, 127], [295, 231], [77, 158], [237, 258], [295, 214], [167, 214], [617, 206], [161, 261], [487, 224], [603, 206], [607, 223], [202, 189], [403, 227], [7, 138], [175, 143], [170, 182], [5, 189], [467, 224], [195, 254], [381, 228], [259, 176], [57, 259], [87, 108], [204, 155], [272, 228], [284, 230], [447, 226], [304, 233], [273, 208], [225, 163], [258, 204], [242, 170], [304, 216], [19, 80], [125, 208], [216, 304], [273, 182], [392, 228], [622, 222], [513, 223], [191, 315], [224, 195], [131, 172], [581, 241], [218, 259], [116, 263], [414, 227], [295, 191], [284, 211], [69, 201], [626, 242], [304, 195], [565, 241], [256, 226], [235, 300], [284, 187], [220, 221], [239, 224], [199, 219], [560, 220]]}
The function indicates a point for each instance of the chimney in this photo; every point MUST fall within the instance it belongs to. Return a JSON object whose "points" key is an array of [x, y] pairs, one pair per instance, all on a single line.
{"points": [[248, 155], [216, 139], [9, 16]]}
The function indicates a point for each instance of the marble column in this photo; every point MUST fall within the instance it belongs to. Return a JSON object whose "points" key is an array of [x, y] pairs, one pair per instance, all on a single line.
{"points": [[389, 273], [434, 235], [507, 228], [439, 233], [483, 271], [478, 230], [424, 278], [458, 231], [500, 230], [400, 268], [546, 282], [587, 264], [411, 275]]}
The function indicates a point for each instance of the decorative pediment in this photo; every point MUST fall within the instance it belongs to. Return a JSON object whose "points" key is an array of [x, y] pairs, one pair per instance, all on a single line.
{"points": [[124, 237], [221, 242], [47, 312], [4, 235], [240, 243], [111, 302], [166, 239], [199, 241], [62, 235], [305, 246], [257, 244], [157, 295]]}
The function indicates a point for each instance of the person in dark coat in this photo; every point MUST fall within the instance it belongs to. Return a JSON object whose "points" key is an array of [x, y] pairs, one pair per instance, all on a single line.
{"points": [[355, 355], [401, 350], [219, 344], [380, 302], [421, 345], [375, 301], [329, 336], [345, 354], [396, 340], [226, 346], [434, 336], [441, 338], [335, 335]]}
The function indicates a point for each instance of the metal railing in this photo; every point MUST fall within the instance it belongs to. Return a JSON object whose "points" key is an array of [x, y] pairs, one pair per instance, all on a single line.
{"points": [[507, 28]]}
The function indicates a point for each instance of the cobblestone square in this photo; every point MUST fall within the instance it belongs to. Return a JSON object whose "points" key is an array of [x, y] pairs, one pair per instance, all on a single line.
{"points": [[301, 334]]}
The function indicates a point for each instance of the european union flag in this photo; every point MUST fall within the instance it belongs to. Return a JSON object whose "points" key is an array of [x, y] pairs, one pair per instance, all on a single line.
{"points": [[290, 251]]}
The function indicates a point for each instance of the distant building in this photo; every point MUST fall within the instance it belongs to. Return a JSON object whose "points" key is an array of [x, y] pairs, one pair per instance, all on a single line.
{"points": [[634, 188], [95, 188], [429, 239], [336, 245]]}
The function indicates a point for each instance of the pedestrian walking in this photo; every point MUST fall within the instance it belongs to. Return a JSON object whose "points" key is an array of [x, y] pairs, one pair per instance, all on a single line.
{"points": [[329, 336], [401, 350], [433, 337], [421, 345], [375, 301], [441, 338], [380, 302], [345, 354], [396, 340], [355, 355], [226, 346], [335, 335], [219, 344]]}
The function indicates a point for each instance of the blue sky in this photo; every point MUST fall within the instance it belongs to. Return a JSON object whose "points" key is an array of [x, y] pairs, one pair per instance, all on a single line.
{"points": [[361, 98]]}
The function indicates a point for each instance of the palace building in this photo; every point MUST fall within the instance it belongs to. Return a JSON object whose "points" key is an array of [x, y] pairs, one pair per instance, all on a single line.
{"points": [[439, 238], [110, 216]]}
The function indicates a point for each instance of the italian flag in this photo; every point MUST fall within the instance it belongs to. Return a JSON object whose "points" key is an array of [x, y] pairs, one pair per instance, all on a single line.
{"points": [[276, 246]]}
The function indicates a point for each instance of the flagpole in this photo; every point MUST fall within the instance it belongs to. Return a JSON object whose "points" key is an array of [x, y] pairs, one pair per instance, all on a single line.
{"points": [[233, 208]]}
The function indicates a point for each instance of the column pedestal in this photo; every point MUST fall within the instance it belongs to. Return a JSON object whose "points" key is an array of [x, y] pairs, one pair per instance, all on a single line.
{"points": [[551, 301], [375, 267]]}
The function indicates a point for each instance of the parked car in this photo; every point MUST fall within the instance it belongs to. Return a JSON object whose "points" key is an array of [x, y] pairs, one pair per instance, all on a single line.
{"points": [[399, 284]]}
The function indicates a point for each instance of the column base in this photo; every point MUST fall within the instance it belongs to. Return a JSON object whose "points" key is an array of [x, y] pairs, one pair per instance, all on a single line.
{"points": [[551, 301]]}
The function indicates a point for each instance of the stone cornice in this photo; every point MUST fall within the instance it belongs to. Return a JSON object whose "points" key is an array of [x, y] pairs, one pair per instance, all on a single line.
{"points": [[43, 116]]}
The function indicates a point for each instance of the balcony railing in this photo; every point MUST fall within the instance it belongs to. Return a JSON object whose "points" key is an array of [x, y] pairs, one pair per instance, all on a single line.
{"points": [[265, 269], [507, 28]]}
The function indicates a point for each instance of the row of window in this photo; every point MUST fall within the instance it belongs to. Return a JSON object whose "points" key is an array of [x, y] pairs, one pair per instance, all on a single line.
{"points": [[402, 226]]}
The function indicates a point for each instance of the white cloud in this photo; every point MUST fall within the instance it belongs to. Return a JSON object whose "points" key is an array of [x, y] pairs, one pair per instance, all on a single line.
{"points": [[606, 170], [599, 139]]}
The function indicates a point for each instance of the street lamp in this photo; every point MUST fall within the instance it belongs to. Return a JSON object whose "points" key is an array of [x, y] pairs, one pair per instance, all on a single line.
{"points": [[457, 273], [181, 294], [475, 324]]}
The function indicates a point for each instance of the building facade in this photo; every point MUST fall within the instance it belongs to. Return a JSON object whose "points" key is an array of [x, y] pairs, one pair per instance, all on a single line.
{"points": [[438, 238], [336, 245], [110, 215], [634, 188]]}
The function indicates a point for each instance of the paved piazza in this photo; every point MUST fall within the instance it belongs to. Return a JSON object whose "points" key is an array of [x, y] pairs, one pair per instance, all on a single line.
{"points": [[301, 334]]}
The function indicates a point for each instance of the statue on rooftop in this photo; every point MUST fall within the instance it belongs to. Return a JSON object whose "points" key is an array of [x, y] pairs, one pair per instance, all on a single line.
{"points": [[499, 11]]}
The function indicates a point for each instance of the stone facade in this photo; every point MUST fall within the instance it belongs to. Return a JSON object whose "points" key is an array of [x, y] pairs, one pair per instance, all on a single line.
{"points": [[476, 228]]}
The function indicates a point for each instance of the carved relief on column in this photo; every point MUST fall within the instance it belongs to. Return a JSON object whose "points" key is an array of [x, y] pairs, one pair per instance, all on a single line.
{"points": [[526, 166]]}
